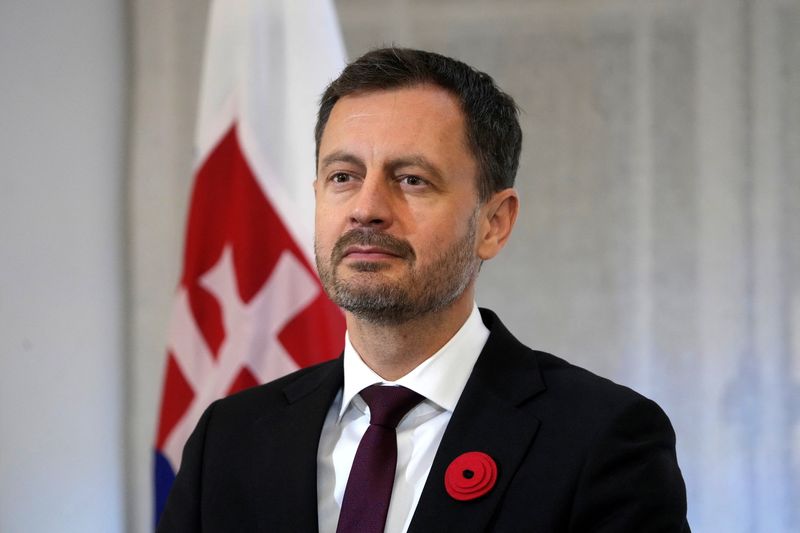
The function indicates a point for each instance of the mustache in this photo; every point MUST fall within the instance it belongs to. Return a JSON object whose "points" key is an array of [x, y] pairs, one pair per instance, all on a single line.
{"points": [[369, 237]]}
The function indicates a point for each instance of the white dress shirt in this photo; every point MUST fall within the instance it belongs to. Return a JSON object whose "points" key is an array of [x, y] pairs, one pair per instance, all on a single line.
{"points": [[440, 379]]}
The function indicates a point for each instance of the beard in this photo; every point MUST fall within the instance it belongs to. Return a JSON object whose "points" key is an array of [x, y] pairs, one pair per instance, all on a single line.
{"points": [[421, 290]]}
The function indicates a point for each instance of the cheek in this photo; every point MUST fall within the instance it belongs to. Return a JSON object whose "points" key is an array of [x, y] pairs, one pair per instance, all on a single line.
{"points": [[326, 232], [320, 233], [323, 237], [323, 220], [421, 220], [445, 222], [433, 237]]}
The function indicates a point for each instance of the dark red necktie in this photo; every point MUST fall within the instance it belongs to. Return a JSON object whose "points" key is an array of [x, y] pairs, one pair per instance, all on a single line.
{"points": [[369, 487]]}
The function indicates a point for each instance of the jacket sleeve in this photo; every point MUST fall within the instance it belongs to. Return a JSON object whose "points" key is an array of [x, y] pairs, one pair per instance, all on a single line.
{"points": [[182, 511], [631, 481]]}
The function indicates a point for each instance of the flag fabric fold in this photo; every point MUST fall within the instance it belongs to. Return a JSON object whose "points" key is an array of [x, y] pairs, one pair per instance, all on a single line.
{"points": [[249, 306]]}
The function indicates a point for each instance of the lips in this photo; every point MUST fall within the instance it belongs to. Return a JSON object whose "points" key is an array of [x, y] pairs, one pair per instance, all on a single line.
{"points": [[368, 252]]}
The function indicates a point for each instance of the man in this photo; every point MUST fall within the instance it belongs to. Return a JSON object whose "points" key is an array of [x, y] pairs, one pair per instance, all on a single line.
{"points": [[416, 159]]}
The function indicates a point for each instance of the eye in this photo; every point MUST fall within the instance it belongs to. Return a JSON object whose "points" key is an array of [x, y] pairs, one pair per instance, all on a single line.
{"points": [[414, 181], [341, 177]]}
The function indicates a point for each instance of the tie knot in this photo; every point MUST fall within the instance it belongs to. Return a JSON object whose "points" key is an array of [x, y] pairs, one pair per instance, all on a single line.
{"points": [[388, 404]]}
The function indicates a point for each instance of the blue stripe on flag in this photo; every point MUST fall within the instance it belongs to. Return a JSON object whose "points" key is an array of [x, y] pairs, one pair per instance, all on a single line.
{"points": [[164, 476]]}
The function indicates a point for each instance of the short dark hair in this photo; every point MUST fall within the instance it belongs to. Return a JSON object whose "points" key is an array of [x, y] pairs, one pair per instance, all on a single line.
{"points": [[492, 125]]}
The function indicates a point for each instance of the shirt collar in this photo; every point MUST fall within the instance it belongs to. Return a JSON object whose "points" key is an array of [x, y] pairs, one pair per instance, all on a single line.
{"points": [[440, 379]]}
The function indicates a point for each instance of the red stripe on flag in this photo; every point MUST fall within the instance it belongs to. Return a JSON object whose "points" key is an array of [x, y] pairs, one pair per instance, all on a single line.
{"points": [[175, 402]]}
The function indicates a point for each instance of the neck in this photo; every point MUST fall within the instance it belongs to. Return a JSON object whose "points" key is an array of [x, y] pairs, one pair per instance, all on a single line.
{"points": [[394, 350]]}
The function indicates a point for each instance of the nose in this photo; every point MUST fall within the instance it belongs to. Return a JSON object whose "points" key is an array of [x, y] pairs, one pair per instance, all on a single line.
{"points": [[372, 204]]}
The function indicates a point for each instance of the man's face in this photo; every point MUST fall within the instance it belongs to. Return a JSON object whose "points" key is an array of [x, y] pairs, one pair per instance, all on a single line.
{"points": [[397, 204]]}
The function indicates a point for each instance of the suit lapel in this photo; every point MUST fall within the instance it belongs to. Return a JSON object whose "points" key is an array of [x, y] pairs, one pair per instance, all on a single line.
{"points": [[288, 439], [487, 419]]}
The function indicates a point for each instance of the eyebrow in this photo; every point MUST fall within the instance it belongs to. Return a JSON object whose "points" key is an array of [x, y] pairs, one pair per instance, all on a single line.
{"points": [[412, 160], [415, 160], [340, 156]]}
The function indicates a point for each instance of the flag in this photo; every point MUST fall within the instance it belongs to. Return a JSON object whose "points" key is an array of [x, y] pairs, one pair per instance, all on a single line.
{"points": [[249, 306]]}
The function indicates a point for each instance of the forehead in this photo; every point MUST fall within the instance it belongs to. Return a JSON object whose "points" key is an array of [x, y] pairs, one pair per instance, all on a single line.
{"points": [[415, 114]]}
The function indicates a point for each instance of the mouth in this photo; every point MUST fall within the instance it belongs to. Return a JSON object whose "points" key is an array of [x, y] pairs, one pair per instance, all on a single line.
{"points": [[368, 253]]}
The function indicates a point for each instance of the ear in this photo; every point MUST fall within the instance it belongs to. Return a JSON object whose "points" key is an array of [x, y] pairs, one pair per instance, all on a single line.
{"points": [[497, 218]]}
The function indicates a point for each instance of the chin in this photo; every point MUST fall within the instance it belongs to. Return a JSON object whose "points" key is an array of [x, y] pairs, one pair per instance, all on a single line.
{"points": [[367, 266]]}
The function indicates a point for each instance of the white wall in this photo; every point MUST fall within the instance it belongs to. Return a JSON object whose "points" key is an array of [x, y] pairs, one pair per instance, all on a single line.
{"points": [[62, 107]]}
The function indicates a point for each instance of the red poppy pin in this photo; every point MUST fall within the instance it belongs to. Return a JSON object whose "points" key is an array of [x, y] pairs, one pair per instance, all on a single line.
{"points": [[470, 476]]}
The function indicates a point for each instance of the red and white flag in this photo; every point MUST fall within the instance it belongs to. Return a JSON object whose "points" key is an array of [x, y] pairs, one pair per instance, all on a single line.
{"points": [[249, 307]]}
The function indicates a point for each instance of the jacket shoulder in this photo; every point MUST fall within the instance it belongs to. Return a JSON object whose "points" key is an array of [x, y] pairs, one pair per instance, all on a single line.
{"points": [[256, 401], [564, 389], [563, 378]]}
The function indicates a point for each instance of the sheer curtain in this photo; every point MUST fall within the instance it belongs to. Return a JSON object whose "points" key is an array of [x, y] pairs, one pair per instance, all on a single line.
{"points": [[658, 239]]}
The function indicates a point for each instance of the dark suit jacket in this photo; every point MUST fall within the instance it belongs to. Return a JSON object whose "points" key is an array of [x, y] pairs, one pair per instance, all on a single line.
{"points": [[575, 452]]}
